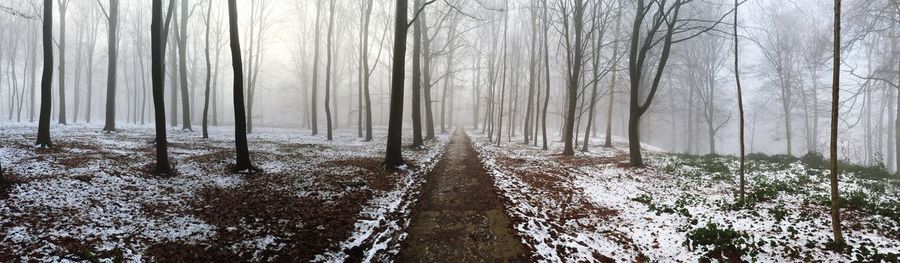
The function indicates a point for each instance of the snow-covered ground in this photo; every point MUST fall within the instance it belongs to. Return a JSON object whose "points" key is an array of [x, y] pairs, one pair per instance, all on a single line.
{"points": [[593, 207], [92, 197]]}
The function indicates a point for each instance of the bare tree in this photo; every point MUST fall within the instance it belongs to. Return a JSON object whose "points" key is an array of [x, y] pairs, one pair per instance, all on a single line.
{"points": [[43, 137], [328, 78], [835, 110], [574, 36], [159, 29], [243, 164], [112, 18], [740, 98]]}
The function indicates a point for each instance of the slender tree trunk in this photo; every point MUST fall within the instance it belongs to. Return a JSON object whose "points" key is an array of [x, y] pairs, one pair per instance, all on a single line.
{"points": [[576, 54], [503, 74], [476, 88], [328, 79], [158, 33], [835, 109], [208, 75], [426, 76], [740, 97], [43, 137], [111, 76], [417, 79], [63, 7], [33, 57], [532, 76], [182, 67], [315, 73], [546, 73], [366, 72], [243, 164]]}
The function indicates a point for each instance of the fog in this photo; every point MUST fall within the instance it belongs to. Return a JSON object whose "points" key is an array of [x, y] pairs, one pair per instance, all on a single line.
{"points": [[784, 43]]}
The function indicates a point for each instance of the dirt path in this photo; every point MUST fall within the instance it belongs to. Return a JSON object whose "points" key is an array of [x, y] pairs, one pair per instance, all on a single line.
{"points": [[460, 217]]}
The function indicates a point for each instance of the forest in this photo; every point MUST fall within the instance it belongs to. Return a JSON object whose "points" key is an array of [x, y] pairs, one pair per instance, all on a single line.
{"points": [[449, 131]]}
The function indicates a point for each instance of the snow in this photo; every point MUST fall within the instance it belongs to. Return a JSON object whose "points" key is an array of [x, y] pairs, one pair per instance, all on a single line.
{"points": [[633, 231], [94, 189]]}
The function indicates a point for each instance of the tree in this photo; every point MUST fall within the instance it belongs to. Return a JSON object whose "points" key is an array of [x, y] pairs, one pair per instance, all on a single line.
{"points": [[328, 53], [158, 31], [393, 158], [43, 137], [364, 70], [315, 74], [612, 83], [243, 164], [113, 25], [781, 59], [835, 110], [63, 8], [417, 80], [546, 52], [654, 17], [181, 39], [574, 38], [208, 74], [740, 97]]}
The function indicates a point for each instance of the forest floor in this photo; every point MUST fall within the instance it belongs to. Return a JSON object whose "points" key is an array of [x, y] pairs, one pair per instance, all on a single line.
{"points": [[460, 215], [92, 197], [593, 207]]}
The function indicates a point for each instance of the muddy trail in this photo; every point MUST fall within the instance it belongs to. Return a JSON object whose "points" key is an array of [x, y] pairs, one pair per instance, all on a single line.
{"points": [[460, 217]]}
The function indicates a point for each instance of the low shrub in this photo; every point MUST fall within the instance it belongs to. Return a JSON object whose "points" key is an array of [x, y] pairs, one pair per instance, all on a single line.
{"points": [[722, 244]]}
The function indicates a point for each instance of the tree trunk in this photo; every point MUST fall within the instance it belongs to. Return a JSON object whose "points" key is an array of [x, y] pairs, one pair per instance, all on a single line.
{"points": [[546, 73], [208, 75], [315, 74], [243, 164], [328, 77], [393, 154], [111, 76], [417, 79], [182, 62], [532, 78], [740, 97], [835, 109], [366, 74], [503, 75], [426, 77], [63, 7], [43, 137], [158, 33], [575, 56]]}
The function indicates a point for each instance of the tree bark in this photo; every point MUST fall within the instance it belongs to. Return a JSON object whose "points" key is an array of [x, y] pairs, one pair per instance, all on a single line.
{"points": [[417, 79], [182, 62], [208, 75], [835, 109], [740, 97], [393, 154], [43, 137], [158, 33], [63, 8], [315, 74], [243, 164], [328, 79], [575, 55], [113, 25], [366, 77], [546, 74]]}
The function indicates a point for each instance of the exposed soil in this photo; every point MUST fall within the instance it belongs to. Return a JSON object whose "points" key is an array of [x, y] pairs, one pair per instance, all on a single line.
{"points": [[460, 217]]}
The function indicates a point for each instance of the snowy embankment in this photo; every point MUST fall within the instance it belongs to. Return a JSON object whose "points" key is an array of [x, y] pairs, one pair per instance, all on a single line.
{"points": [[92, 196], [593, 207]]}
